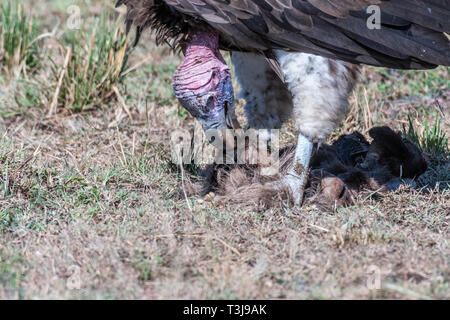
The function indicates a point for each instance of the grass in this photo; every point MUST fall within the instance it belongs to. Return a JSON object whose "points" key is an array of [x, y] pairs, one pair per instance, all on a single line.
{"points": [[92, 207], [19, 48], [83, 66], [433, 139], [93, 70]]}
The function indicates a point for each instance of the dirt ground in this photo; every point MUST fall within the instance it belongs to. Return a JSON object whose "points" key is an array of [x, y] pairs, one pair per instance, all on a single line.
{"points": [[91, 205]]}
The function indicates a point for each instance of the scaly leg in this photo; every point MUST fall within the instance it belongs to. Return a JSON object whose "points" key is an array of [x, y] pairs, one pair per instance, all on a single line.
{"points": [[319, 88], [297, 177]]}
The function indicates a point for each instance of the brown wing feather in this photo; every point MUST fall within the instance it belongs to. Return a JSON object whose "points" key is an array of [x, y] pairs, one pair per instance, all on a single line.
{"points": [[412, 34], [342, 8]]}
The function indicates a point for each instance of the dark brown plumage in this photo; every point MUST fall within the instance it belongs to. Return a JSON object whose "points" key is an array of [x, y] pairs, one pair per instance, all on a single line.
{"points": [[387, 158], [400, 155], [412, 34]]}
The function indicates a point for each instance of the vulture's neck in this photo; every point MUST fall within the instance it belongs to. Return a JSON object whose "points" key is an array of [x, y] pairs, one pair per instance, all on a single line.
{"points": [[202, 62], [203, 43]]}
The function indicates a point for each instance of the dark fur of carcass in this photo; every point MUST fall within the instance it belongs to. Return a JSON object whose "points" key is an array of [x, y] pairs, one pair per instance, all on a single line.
{"points": [[339, 172]]}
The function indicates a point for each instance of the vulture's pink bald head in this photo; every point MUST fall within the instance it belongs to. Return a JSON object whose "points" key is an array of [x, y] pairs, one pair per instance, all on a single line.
{"points": [[202, 83]]}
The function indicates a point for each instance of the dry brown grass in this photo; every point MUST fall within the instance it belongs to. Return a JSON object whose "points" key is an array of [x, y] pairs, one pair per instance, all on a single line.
{"points": [[92, 207]]}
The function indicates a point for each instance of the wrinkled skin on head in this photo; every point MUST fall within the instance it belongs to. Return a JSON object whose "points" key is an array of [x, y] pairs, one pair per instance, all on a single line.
{"points": [[202, 83]]}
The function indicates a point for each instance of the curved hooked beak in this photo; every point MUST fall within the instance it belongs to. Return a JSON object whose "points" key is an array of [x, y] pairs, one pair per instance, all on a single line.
{"points": [[218, 109], [225, 118]]}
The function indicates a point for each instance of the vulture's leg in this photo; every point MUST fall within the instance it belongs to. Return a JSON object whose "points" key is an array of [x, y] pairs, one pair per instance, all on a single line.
{"points": [[268, 102], [297, 176], [320, 88]]}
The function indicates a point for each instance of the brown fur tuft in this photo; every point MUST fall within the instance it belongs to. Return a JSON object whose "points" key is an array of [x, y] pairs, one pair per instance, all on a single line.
{"points": [[349, 168]]}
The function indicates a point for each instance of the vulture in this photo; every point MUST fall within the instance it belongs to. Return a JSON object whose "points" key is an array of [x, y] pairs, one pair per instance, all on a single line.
{"points": [[291, 57]]}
